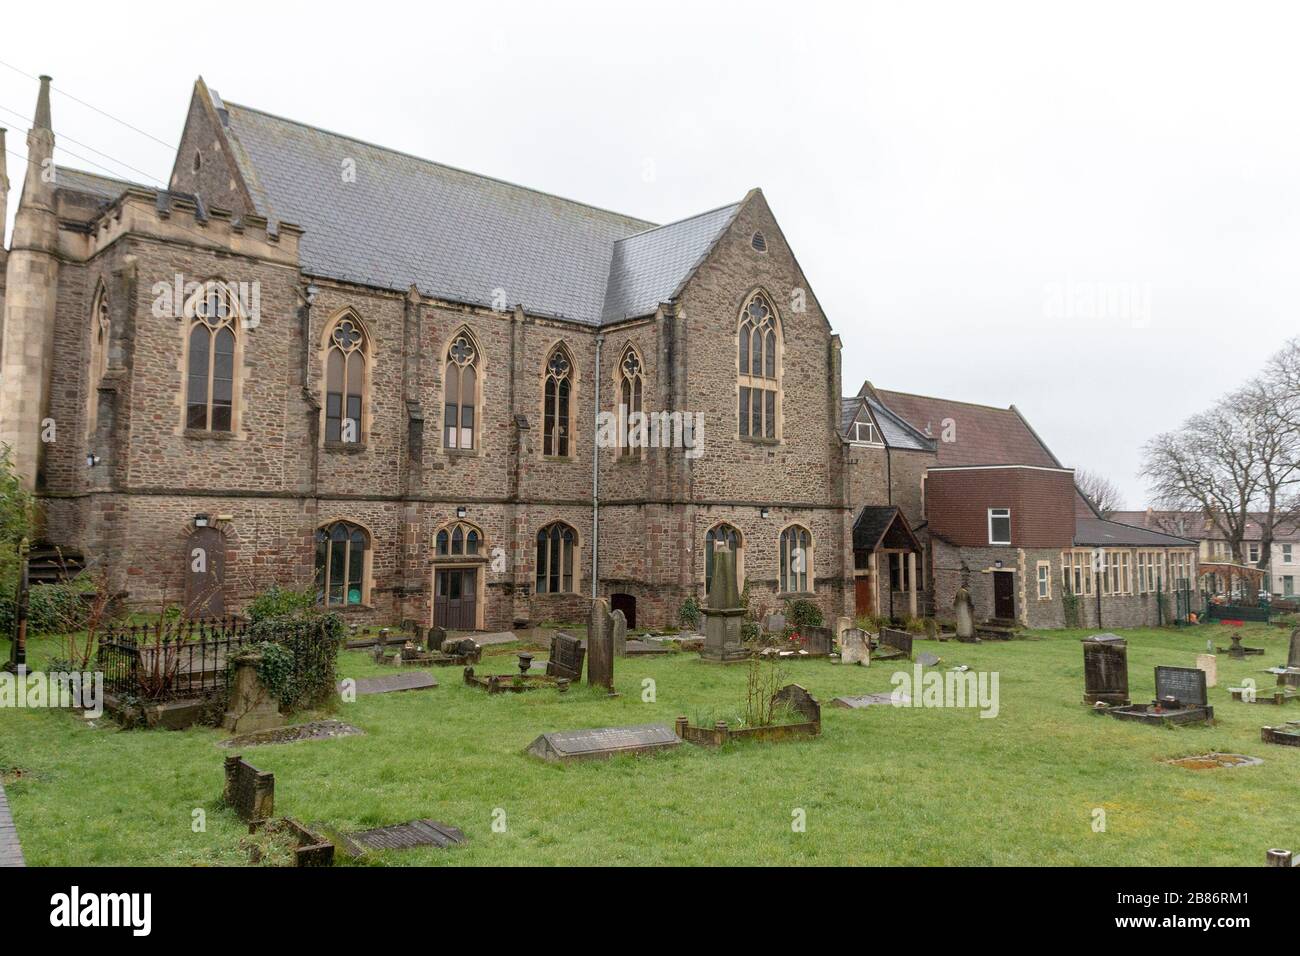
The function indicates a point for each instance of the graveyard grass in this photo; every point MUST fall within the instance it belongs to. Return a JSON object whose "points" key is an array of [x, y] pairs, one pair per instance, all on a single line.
{"points": [[880, 786]]}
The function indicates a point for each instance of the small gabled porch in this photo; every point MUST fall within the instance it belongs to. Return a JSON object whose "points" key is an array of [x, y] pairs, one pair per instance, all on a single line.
{"points": [[886, 556]]}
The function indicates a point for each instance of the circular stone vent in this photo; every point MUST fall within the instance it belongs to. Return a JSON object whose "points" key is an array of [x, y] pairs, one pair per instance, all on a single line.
{"points": [[1213, 761]]}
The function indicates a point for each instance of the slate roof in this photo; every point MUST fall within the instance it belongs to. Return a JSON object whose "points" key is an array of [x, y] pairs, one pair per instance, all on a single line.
{"points": [[1192, 523], [984, 435], [872, 524], [1097, 532], [92, 184], [458, 235], [896, 432]]}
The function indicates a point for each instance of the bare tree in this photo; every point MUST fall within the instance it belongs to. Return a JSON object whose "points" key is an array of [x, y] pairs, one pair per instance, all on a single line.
{"points": [[1100, 490]]}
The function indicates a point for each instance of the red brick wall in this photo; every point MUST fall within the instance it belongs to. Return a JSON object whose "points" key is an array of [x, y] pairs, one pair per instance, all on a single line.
{"points": [[1041, 503]]}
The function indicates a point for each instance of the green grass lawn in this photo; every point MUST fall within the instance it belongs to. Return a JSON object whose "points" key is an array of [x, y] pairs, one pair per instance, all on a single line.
{"points": [[880, 786]]}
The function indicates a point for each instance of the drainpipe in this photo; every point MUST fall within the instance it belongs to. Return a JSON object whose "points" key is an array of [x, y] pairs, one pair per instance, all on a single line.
{"points": [[595, 476]]}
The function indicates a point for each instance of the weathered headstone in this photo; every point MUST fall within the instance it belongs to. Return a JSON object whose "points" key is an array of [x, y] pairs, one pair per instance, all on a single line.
{"points": [[600, 646], [870, 700], [251, 706], [842, 624], [1293, 652], [618, 633], [1105, 669], [251, 792], [436, 636], [800, 701], [816, 640], [1186, 685], [567, 654], [926, 659], [894, 643], [775, 623], [724, 613], [1210, 664], [931, 629], [603, 742], [855, 648], [964, 608]]}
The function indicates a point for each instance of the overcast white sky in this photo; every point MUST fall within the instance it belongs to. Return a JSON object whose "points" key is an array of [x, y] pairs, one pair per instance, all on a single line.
{"points": [[1088, 210]]}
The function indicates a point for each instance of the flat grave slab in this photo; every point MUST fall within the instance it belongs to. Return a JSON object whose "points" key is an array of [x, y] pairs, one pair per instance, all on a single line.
{"points": [[601, 743], [1288, 734], [315, 730], [389, 684], [869, 700], [637, 647], [501, 637], [403, 836]]}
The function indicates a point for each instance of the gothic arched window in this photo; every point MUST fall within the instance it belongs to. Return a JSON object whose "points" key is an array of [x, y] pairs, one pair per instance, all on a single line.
{"points": [[100, 327], [630, 386], [213, 314], [722, 536], [555, 559], [796, 560], [341, 564], [458, 539], [759, 369], [461, 390], [556, 405], [345, 380]]}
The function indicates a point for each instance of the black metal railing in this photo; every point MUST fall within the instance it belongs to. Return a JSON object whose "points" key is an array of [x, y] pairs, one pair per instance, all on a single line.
{"points": [[170, 659]]}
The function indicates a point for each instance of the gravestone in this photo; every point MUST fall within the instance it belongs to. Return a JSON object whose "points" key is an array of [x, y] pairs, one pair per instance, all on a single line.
{"points": [[251, 706], [855, 648], [775, 623], [251, 792], [392, 684], [870, 700], [816, 640], [618, 633], [600, 647], [926, 659], [1186, 685], [842, 624], [894, 643], [931, 629], [724, 613], [1210, 664], [800, 701], [403, 836], [436, 636], [314, 730], [603, 742], [1293, 652], [567, 654], [1105, 669], [965, 611]]}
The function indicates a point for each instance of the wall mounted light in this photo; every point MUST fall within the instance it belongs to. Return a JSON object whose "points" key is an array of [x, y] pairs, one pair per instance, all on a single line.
{"points": [[201, 521], [997, 564], [92, 459], [764, 511], [461, 511], [312, 292]]}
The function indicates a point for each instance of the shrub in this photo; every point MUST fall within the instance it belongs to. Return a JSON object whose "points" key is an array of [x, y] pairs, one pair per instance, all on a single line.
{"points": [[312, 639], [15, 522], [276, 671], [276, 601], [688, 615], [51, 608], [801, 613]]}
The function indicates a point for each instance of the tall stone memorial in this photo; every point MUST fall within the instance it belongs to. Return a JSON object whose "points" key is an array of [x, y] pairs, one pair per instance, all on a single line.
{"points": [[724, 613], [600, 646], [964, 607]]}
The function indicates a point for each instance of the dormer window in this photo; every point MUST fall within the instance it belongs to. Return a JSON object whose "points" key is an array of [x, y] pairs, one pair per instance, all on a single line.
{"points": [[864, 433]]}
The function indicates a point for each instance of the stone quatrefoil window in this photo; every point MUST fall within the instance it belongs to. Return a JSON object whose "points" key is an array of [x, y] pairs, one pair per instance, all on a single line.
{"points": [[631, 385], [210, 369], [759, 342], [460, 539], [341, 564], [556, 404], [345, 381], [461, 385], [555, 557]]}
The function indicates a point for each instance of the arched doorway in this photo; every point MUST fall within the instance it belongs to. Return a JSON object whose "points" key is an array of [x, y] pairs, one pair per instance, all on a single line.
{"points": [[627, 604]]}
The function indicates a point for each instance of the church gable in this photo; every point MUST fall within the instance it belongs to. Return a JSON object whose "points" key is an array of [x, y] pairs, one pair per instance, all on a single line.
{"points": [[205, 163]]}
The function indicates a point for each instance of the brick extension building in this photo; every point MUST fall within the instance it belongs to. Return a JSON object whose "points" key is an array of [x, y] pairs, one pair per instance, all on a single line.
{"points": [[312, 359]]}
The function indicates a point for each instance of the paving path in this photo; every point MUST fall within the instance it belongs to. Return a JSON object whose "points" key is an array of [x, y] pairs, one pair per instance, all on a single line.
{"points": [[11, 854]]}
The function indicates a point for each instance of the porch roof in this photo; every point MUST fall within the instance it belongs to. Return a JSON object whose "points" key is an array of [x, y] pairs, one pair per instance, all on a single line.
{"points": [[884, 527]]}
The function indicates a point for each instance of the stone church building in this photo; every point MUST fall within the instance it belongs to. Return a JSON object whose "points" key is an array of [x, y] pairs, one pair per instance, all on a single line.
{"points": [[313, 361]]}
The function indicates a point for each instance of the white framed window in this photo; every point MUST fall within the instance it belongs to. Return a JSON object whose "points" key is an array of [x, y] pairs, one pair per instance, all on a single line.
{"points": [[864, 433], [999, 526], [1076, 571], [1116, 577], [1044, 580], [1286, 554], [1254, 554]]}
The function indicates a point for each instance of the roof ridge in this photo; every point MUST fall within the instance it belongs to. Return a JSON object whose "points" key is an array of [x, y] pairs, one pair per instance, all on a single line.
{"points": [[678, 222], [112, 179], [434, 162], [950, 401]]}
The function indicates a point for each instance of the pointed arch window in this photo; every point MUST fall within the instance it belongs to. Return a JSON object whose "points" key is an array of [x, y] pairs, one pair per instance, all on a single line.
{"points": [[341, 550], [100, 328], [461, 388], [457, 540], [346, 355], [557, 394], [555, 558], [720, 537], [759, 343], [213, 314], [796, 560], [630, 388]]}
